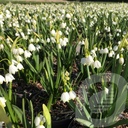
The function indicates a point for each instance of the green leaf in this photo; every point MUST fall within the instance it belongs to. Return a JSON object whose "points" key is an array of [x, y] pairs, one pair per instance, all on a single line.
{"points": [[18, 112], [85, 122], [31, 66], [3, 116], [47, 115], [32, 113]]}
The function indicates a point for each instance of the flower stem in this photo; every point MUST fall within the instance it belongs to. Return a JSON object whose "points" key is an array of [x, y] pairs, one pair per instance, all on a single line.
{"points": [[50, 102], [10, 91]]}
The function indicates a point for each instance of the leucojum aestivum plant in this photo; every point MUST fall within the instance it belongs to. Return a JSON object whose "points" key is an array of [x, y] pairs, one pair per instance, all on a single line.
{"points": [[39, 43], [102, 108]]}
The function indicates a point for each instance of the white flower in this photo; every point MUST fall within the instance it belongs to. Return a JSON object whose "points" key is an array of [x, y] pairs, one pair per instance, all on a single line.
{"points": [[53, 32], [104, 51], [63, 25], [40, 119], [38, 47], [83, 61], [81, 42], [121, 60], [87, 61], [31, 47], [63, 42], [14, 62], [95, 49], [48, 40], [111, 53], [117, 56], [20, 51], [97, 64], [15, 51], [93, 53], [27, 54], [1, 46], [72, 95], [68, 16], [115, 48], [106, 90], [2, 102], [20, 66], [60, 33], [18, 58], [2, 79], [65, 97], [37, 120], [40, 126], [9, 78], [13, 69]]}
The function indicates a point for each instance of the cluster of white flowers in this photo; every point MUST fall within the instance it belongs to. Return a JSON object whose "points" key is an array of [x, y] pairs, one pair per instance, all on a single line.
{"points": [[66, 96], [90, 61], [39, 121]]}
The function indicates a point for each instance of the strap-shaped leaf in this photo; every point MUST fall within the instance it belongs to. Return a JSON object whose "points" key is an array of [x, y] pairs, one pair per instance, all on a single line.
{"points": [[47, 115], [31, 66], [85, 122]]}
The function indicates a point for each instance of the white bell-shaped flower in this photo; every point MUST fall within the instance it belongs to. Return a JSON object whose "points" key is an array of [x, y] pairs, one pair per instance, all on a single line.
{"points": [[63, 25], [15, 51], [72, 95], [106, 90], [87, 61], [111, 53], [20, 51], [96, 64], [1, 46], [40, 126], [83, 61], [121, 60], [31, 47], [37, 120], [2, 79], [18, 58], [115, 48], [13, 69], [20, 66], [9, 77], [104, 51], [27, 54], [65, 97], [2, 102], [53, 32]]}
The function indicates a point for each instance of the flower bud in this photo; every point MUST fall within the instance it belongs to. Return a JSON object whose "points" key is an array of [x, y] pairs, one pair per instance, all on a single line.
{"points": [[121, 60]]}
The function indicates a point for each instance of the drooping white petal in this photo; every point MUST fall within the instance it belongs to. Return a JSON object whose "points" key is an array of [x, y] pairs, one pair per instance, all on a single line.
{"points": [[72, 95], [65, 97], [2, 79], [2, 102], [37, 120], [13, 69], [31, 47], [9, 77], [97, 64]]}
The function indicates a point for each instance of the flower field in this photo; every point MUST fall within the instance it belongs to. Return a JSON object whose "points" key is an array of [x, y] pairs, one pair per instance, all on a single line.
{"points": [[58, 46]]}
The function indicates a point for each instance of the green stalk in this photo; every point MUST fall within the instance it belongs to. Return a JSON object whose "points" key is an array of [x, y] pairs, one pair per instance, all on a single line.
{"points": [[88, 72], [10, 91], [104, 59], [49, 104]]}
